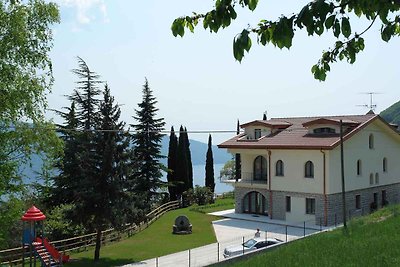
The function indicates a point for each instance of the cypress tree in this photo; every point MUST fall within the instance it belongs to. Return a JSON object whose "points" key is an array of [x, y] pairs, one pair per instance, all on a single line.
{"points": [[189, 165], [182, 164], [172, 164], [237, 157], [210, 182], [147, 146], [264, 117]]}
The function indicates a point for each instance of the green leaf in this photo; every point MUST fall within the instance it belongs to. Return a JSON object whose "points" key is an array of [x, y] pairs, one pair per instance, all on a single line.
{"points": [[232, 12], [177, 27], [387, 32], [336, 28], [329, 21], [346, 29], [319, 27], [252, 4]]}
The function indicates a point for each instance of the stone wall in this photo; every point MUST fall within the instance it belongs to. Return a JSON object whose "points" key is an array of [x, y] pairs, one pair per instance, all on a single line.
{"points": [[334, 202]]}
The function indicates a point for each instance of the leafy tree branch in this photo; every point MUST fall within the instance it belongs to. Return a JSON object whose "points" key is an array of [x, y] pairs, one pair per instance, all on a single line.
{"points": [[316, 17]]}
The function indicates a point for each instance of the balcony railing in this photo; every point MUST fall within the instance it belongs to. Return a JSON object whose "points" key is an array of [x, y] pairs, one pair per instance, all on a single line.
{"points": [[248, 178]]}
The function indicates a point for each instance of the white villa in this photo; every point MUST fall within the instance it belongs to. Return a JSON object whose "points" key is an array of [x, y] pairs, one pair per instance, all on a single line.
{"points": [[291, 167]]}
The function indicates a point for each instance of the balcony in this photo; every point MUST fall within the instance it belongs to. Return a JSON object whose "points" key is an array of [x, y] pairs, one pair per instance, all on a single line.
{"points": [[247, 178]]}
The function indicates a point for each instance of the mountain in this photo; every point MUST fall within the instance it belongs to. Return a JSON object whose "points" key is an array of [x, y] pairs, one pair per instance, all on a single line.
{"points": [[392, 113], [198, 151]]}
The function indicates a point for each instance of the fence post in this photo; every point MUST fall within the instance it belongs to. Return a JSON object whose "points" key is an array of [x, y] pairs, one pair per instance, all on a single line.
{"points": [[189, 258], [286, 232], [157, 262], [218, 251], [304, 228], [242, 245]]}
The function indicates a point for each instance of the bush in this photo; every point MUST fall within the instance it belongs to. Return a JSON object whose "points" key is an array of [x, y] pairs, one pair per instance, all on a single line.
{"points": [[201, 195]]}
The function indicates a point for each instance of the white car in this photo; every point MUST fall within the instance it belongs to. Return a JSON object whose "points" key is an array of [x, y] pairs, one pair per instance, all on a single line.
{"points": [[250, 245]]}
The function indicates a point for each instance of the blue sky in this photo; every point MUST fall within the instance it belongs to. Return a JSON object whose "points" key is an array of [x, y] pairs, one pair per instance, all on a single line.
{"points": [[196, 80]]}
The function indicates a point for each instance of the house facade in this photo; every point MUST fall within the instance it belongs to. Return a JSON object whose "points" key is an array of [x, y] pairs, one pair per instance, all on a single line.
{"points": [[291, 167]]}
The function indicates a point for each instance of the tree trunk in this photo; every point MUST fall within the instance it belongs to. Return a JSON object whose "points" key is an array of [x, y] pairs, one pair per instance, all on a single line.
{"points": [[98, 245]]}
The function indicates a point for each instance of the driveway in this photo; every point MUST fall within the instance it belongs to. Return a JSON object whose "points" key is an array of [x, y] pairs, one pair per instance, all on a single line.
{"points": [[232, 230]]}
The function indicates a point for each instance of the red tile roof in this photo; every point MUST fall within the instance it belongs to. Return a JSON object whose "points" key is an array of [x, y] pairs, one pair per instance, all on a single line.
{"points": [[296, 136]]}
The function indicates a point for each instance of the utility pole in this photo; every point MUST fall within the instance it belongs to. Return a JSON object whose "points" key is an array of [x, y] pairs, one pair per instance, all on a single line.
{"points": [[342, 171], [237, 157]]}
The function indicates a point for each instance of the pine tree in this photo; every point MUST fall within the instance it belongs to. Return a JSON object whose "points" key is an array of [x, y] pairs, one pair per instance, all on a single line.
{"points": [[172, 165], [147, 145], [65, 183], [237, 157], [210, 182], [112, 148]]}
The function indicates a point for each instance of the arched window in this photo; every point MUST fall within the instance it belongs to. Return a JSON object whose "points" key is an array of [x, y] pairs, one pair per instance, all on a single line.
{"points": [[309, 170], [260, 169], [359, 167], [371, 179], [279, 168], [371, 141], [384, 165], [376, 178]]}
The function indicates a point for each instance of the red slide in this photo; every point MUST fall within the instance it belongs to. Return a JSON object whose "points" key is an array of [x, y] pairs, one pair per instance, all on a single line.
{"points": [[53, 251]]}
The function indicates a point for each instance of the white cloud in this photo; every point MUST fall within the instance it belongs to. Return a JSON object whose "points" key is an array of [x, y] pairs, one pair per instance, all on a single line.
{"points": [[86, 10]]}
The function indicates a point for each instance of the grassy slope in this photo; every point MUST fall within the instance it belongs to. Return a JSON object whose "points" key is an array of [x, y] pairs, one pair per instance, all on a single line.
{"points": [[369, 241], [157, 240]]}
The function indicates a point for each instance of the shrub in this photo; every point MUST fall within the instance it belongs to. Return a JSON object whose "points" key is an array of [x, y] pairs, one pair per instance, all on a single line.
{"points": [[201, 195]]}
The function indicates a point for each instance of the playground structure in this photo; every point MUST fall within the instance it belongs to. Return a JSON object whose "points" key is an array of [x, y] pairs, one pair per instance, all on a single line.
{"points": [[33, 238]]}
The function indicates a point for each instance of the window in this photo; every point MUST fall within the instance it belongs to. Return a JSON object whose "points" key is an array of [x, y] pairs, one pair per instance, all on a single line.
{"points": [[384, 198], [376, 178], [310, 205], [288, 204], [359, 167], [371, 141], [376, 199], [371, 179], [384, 165], [309, 170], [279, 168], [257, 133], [324, 130], [358, 202], [260, 169]]}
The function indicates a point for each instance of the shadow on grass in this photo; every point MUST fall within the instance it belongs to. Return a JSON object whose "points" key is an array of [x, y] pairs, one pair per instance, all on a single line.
{"points": [[103, 262]]}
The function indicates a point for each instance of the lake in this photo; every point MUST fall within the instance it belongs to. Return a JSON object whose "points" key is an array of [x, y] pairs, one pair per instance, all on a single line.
{"points": [[199, 174]]}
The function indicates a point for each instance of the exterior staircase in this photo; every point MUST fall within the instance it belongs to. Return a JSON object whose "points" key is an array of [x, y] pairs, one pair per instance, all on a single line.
{"points": [[45, 257]]}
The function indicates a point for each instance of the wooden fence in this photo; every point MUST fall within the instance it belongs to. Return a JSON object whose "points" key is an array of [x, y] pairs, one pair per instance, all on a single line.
{"points": [[14, 256]]}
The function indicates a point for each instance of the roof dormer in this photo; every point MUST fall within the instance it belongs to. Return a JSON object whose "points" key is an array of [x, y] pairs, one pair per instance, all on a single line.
{"points": [[259, 129], [326, 126]]}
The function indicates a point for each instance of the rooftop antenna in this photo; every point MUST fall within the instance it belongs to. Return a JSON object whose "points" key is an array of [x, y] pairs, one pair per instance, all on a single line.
{"points": [[372, 105]]}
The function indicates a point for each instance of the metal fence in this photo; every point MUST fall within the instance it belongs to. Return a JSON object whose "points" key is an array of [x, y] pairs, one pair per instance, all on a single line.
{"points": [[213, 253]]}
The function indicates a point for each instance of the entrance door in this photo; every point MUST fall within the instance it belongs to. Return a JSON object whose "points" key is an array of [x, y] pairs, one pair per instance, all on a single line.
{"points": [[255, 203]]}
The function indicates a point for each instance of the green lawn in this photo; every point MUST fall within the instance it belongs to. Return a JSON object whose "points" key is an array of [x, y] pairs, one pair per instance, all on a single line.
{"points": [[157, 240], [370, 241], [220, 204]]}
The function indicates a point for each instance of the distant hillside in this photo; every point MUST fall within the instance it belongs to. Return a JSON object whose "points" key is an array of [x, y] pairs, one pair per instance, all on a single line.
{"points": [[198, 152], [392, 113]]}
